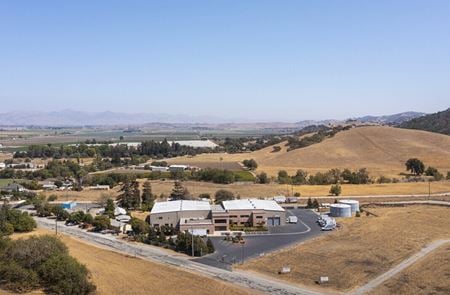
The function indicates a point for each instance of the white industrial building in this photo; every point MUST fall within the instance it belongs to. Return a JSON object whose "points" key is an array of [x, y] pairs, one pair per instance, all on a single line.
{"points": [[201, 217]]}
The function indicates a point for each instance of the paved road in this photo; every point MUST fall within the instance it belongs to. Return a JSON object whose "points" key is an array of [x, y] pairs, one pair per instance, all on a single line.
{"points": [[400, 267], [431, 202], [252, 281], [228, 253]]}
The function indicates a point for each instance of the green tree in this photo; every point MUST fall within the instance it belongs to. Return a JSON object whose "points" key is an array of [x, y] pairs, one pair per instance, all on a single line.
{"points": [[335, 190], [315, 204], [109, 208], [148, 199], [179, 192], [309, 203], [130, 197], [301, 177], [139, 227], [283, 177], [210, 246], [223, 195], [262, 178], [250, 164], [415, 166], [101, 222]]}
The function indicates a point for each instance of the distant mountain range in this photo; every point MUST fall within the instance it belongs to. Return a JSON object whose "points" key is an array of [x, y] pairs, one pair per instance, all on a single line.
{"points": [[391, 119], [438, 122], [394, 119], [80, 118]]}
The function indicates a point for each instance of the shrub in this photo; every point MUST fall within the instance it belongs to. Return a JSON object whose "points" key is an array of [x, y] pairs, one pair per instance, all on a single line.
{"points": [[62, 274], [32, 252], [335, 190], [17, 278], [358, 214], [52, 198], [6, 229]]}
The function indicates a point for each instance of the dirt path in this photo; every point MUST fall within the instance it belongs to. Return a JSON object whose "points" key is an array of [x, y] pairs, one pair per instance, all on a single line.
{"points": [[400, 267]]}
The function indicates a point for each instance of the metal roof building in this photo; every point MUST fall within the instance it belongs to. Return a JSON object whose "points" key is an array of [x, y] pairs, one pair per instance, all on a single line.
{"points": [[180, 205], [252, 204]]}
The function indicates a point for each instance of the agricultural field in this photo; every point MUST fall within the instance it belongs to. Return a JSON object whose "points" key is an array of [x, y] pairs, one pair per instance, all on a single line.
{"points": [[382, 150], [361, 249], [129, 275], [431, 275]]}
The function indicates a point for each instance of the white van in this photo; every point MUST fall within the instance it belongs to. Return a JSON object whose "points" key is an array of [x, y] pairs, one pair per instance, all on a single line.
{"points": [[292, 219]]}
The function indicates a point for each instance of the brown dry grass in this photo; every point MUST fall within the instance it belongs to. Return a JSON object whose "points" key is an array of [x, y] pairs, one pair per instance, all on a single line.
{"points": [[382, 150], [114, 273], [362, 249], [431, 275], [250, 190], [85, 195]]}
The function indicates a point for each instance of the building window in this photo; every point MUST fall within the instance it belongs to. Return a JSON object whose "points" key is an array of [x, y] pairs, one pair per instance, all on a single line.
{"points": [[220, 221], [233, 216], [259, 217], [245, 216], [160, 218]]}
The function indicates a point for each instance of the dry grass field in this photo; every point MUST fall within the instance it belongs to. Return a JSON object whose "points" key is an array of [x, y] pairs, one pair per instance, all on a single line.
{"points": [[250, 190], [114, 273], [382, 150], [361, 249], [430, 275], [85, 195]]}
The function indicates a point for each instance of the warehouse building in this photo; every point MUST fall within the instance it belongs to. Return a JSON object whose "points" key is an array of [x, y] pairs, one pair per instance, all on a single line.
{"points": [[202, 218]]}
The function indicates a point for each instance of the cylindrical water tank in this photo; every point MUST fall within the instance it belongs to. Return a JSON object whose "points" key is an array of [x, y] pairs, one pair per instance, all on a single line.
{"points": [[340, 210], [353, 204]]}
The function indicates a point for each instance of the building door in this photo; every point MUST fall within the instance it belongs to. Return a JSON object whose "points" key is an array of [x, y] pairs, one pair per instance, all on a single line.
{"points": [[273, 221]]}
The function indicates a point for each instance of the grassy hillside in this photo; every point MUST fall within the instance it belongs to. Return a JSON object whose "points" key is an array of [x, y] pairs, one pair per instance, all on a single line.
{"points": [[438, 122], [382, 150]]}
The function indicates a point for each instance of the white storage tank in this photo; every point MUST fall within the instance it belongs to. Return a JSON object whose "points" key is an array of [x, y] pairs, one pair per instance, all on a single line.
{"points": [[353, 204], [340, 210]]}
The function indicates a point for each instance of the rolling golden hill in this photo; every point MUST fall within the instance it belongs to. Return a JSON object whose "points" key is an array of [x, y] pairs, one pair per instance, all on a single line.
{"points": [[382, 150]]}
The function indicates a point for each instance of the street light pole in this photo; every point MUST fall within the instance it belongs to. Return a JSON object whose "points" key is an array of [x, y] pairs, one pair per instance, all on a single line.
{"points": [[56, 226]]}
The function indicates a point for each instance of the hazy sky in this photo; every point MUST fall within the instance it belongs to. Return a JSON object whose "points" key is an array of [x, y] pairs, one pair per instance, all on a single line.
{"points": [[270, 60]]}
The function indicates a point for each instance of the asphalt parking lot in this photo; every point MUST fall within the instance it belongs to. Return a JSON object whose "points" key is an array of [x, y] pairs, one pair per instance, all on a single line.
{"points": [[228, 253]]}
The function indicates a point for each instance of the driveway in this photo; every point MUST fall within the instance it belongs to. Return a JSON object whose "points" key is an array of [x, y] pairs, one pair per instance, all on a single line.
{"points": [[228, 253]]}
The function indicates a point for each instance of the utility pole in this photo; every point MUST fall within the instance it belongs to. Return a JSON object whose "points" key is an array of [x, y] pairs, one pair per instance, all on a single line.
{"points": [[56, 226], [242, 253], [192, 244]]}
